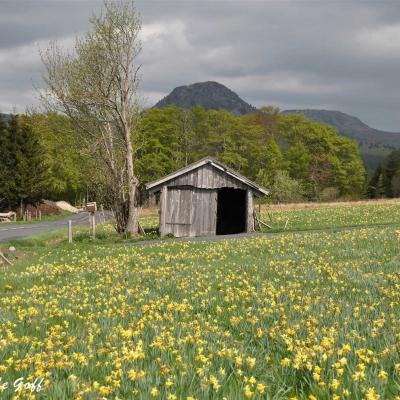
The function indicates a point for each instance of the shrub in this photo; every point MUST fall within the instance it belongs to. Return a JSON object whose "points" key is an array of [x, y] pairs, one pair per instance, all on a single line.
{"points": [[329, 194], [286, 189]]}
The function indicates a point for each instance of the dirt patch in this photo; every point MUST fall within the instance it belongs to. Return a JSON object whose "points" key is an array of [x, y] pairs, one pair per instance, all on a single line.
{"points": [[148, 212], [63, 205]]}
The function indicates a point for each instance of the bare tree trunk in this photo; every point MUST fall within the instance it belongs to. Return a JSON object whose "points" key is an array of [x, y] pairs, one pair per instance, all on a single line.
{"points": [[133, 213]]}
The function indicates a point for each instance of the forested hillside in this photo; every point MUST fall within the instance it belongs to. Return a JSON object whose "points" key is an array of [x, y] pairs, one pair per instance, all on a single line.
{"points": [[295, 157], [374, 144], [278, 151]]}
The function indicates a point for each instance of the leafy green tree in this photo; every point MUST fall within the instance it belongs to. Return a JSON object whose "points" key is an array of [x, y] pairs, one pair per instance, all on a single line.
{"points": [[69, 169], [298, 160], [96, 86], [333, 161], [257, 145], [160, 152], [286, 189], [272, 162]]}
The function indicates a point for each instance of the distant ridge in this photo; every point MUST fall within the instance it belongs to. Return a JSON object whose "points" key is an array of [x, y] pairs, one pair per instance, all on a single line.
{"points": [[375, 144], [349, 125], [4, 117], [210, 95]]}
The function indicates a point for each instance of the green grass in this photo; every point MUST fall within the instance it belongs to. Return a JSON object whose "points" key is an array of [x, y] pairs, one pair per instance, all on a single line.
{"points": [[298, 219], [297, 314], [105, 234]]}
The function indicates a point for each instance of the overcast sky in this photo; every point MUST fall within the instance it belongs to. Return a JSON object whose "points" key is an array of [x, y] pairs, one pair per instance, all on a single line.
{"points": [[341, 55]]}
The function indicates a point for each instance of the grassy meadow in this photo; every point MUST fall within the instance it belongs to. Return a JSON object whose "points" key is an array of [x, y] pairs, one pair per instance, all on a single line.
{"points": [[379, 213], [294, 316], [311, 216], [317, 216]]}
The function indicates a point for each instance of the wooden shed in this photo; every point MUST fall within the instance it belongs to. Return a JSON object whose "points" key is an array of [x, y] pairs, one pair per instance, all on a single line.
{"points": [[205, 198]]}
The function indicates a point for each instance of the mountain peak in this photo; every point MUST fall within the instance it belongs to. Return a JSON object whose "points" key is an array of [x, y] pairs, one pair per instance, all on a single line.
{"points": [[210, 95]]}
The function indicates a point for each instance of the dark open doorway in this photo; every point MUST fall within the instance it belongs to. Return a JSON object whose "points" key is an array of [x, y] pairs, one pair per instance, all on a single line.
{"points": [[231, 211]]}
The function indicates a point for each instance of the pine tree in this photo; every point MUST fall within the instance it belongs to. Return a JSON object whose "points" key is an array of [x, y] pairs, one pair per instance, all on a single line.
{"points": [[8, 148], [31, 172], [23, 174], [3, 169]]}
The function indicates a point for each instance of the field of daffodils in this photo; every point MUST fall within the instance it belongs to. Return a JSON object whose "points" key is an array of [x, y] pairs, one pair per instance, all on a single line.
{"points": [[332, 217], [296, 316]]}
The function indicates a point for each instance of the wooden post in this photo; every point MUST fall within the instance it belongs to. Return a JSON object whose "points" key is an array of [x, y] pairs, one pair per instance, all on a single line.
{"points": [[93, 226], [163, 210], [250, 212], [69, 231], [102, 212]]}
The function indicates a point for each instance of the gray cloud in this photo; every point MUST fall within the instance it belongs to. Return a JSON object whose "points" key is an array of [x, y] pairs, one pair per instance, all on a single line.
{"points": [[341, 55]]}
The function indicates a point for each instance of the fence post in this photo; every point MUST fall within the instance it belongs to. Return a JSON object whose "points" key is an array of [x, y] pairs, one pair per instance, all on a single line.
{"points": [[94, 225], [69, 231], [102, 212]]}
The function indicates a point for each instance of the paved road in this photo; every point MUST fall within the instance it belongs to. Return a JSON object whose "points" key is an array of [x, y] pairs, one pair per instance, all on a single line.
{"points": [[19, 231]]}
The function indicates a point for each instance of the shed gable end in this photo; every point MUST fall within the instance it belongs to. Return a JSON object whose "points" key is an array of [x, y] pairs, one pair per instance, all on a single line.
{"points": [[206, 177]]}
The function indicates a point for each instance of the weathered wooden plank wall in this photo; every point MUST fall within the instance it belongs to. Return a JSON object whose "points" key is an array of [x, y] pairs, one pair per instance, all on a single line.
{"points": [[188, 206], [207, 177], [204, 210], [163, 210], [189, 212], [179, 203]]}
